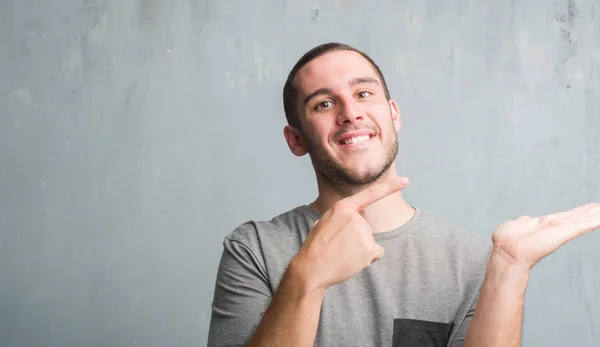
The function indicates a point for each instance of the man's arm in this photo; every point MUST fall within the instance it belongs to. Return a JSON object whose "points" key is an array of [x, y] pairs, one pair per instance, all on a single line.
{"points": [[498, 314], [518, 246], [243, 294], [293, 316]]}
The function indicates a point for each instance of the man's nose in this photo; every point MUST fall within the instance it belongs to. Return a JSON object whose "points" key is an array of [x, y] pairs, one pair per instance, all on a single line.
{"points": [[349, 113]]}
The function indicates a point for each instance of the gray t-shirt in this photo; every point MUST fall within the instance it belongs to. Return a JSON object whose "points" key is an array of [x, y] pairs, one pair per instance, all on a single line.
{"points": [[421, 293]]}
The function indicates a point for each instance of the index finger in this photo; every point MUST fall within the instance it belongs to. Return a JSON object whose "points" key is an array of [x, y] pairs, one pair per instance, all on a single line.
{"points": [[363, 199]]}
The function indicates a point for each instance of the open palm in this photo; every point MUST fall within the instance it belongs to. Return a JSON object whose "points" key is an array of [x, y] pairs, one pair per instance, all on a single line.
{"points": [[528, 240]]}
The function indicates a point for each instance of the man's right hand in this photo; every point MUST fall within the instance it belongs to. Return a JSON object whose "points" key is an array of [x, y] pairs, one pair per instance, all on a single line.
{"points": [[341, 243]]}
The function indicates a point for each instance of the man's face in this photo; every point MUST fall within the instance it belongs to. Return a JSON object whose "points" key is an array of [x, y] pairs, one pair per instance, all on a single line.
{"points": [[348, 125]]}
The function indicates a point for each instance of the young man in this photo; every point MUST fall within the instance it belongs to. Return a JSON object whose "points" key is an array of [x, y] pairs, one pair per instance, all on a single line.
{"points": [[359, 266]]}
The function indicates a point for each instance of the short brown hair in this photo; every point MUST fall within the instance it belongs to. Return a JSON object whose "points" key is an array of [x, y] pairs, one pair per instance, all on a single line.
{"points": [[290, 92]]}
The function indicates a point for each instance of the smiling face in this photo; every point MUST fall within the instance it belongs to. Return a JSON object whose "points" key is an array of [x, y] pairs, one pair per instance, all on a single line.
{"points": [[348, 126]]}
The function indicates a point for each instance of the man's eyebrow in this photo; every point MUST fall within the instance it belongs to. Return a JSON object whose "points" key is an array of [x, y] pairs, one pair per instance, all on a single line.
{"points": [[359, 80], [316, 93]]}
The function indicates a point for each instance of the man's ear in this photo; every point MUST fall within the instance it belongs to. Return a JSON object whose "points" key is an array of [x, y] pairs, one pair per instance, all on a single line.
{"points": [[294, 140], [395, 115]]}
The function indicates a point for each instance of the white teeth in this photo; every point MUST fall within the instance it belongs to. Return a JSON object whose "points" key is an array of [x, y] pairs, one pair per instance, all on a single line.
{"points": [[356, 139]]}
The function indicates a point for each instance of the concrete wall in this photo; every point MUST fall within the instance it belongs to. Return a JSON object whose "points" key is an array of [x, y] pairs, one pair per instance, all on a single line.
{"points": [[134, 135]]}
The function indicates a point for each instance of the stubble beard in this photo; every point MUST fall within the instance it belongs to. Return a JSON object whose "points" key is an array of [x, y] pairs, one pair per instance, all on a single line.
{"points": [[345, 180]]}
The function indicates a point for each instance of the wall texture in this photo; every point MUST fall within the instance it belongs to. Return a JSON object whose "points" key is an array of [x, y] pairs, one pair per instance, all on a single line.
{"points": [[134, 135]]}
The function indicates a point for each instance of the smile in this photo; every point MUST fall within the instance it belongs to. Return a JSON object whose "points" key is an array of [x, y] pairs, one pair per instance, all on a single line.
{"points": [[355, 139]]}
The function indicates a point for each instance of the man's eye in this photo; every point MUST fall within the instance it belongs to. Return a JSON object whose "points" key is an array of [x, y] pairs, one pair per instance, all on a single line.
{"points": [[324, 105], [364, 94]]}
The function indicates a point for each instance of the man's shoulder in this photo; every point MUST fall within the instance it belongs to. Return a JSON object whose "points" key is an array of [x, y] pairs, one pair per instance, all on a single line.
{"points": [[273, 243], [291, 223]]}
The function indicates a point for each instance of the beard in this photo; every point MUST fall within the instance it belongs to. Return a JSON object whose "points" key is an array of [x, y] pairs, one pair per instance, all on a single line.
{"points": [[334, 173]]}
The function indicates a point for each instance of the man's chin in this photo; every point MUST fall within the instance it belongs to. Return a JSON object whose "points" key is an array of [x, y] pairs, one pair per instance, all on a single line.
{"points": [[360, 178]]}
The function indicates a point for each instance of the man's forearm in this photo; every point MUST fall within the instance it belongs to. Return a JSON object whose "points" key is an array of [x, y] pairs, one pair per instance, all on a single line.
{"points": [[293, 315], [498, 315]]}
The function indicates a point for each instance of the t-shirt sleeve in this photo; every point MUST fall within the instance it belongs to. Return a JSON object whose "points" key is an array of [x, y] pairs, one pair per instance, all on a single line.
{"points": [[242, 294], [459, 338]]}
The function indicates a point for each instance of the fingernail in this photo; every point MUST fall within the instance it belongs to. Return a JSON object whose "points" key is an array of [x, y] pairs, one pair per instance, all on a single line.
{"points": [[403, 180]]}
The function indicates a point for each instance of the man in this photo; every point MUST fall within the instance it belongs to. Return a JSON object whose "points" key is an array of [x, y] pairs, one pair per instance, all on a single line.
{"points": [[359, 266]]}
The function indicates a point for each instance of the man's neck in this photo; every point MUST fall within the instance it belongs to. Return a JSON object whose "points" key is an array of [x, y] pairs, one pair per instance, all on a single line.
{"points": [[386, 214]]}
